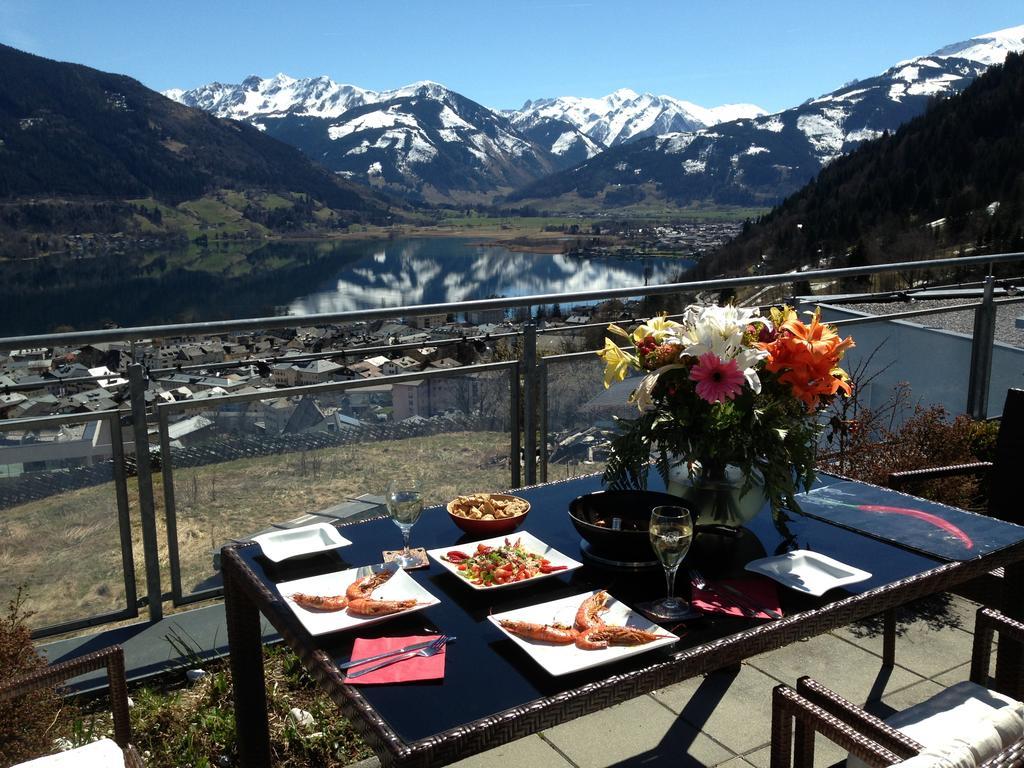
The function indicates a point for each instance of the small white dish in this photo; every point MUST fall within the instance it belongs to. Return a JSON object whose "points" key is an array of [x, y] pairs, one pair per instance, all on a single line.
{"points": [[401, 586], [529, 542], [807, 571], [565, 659], [300, 542]]}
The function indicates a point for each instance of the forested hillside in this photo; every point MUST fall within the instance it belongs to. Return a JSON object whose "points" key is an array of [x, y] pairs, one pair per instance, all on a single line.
{"points": [[951, 180], [68, 130]]}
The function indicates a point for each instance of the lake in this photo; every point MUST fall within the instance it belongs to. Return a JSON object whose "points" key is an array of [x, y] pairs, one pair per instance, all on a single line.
{"points": [[299, 278]]}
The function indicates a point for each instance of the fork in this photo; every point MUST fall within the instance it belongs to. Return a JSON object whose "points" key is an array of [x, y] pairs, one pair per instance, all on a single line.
{"points": [[701, 583], [431, 650]]}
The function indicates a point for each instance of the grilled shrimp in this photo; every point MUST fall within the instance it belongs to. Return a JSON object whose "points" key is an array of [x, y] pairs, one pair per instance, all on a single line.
{"points": [[588, 615], [607, 634], [364, 606], [363, 587], [546, 633], [321, 602]]}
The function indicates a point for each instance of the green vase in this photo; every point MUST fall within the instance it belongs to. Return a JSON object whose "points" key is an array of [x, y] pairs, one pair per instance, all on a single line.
{"points": [[717, 501]]}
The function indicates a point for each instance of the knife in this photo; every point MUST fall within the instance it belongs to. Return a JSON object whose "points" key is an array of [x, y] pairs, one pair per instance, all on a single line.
{"points": [[403, 657], [747, 601], [406, 649]]}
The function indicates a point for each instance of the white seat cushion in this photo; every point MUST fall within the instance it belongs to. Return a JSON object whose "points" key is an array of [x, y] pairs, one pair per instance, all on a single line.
{"points": [[955, 756], [963, 716], [98, 754]]}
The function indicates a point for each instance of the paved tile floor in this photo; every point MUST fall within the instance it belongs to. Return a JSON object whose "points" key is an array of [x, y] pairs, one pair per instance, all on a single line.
{"points": [[719, 719], [724, 718]]}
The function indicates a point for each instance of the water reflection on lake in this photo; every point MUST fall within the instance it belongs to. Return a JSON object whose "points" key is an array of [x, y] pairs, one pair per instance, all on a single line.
{"points": [[231, 280], [439, 270]]}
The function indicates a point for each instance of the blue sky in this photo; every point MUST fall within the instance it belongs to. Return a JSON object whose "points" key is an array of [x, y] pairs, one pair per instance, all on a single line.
{"points": [[501, 53]]}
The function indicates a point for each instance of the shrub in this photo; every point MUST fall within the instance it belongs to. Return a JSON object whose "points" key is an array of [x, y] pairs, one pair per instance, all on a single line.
{"points": [[875, 443], [25, 722]]}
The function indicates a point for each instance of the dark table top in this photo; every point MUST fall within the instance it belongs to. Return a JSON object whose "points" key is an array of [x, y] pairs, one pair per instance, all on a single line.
{"points": [[486, 673]]}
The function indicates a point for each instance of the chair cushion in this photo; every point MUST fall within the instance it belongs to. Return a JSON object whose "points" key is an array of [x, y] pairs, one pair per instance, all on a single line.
{"points": [[953, 756], [98, 754], [963, 716]]}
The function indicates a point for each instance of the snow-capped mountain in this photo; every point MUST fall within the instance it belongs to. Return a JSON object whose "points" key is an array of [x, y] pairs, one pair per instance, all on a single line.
{"points": [[625, 115], [762, 159], [422, 140], [370, 135]]}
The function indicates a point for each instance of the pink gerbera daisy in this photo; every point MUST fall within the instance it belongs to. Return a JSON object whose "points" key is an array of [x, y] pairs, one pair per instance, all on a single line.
{"points": [[717, 380]]}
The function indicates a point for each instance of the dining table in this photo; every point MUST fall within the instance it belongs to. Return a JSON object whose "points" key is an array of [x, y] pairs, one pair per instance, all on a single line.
{"points": [[492, 692]]}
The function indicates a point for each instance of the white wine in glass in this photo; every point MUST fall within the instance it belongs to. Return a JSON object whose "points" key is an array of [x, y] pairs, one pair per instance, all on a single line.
{"points": [[671, 531], [405, 502]]}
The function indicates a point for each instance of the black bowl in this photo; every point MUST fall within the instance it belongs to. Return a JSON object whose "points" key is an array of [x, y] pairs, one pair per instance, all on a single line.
{"points": [[615, 523]]}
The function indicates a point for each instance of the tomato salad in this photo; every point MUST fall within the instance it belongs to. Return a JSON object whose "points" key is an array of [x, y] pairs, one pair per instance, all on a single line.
{"points": [[491, 566]]}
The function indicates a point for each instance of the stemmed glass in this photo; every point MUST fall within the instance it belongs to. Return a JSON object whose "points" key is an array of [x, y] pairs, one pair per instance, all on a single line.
{"points": [[405, 502], [671, 531]]}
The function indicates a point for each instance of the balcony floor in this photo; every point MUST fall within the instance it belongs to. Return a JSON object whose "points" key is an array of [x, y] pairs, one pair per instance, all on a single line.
{"points": [[719, 719]]}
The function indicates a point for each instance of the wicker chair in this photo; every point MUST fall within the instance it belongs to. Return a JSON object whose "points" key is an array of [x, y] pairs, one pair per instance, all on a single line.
{"points": [[113, 659], [798, 714]]}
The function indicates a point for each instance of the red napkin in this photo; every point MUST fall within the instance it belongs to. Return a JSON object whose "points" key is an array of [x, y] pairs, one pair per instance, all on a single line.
{"points": [[759, 592], [406, 671]]}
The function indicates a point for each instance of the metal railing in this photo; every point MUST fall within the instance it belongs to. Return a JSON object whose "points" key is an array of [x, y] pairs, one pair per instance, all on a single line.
{"points": [[528, 405]]}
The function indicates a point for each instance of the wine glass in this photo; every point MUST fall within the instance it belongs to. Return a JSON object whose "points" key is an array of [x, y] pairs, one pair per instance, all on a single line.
{"points": [[671, 531], [405, 502]]}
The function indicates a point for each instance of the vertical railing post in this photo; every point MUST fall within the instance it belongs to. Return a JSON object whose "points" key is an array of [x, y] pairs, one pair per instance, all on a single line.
{"points": [[981, 353], [515, 449], [530, 402], [542, 378], [147, 508]]}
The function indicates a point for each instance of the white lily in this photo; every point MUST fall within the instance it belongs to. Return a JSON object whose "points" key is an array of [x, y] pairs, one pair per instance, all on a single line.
{"points": [[720, 330]]}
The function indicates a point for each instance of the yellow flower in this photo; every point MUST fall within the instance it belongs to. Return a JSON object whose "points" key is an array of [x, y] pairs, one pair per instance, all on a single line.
{"points": [[658, 327], [617, 362]]}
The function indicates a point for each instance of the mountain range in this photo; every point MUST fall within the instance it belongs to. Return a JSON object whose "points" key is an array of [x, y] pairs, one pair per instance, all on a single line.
{"points": [[430, 143], [760, 160]]}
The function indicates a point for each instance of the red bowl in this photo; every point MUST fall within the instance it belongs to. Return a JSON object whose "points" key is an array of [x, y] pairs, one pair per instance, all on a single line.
{"points": [[488, 528]]}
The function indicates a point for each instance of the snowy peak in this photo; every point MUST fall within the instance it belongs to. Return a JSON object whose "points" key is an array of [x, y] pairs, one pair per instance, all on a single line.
{"points": [[422, 140], [257, 97], [626, 115], [987, 49], [758, 160]]}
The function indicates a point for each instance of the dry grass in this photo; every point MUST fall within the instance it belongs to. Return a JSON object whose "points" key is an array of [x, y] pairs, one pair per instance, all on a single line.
{"points": [[65, 549]]}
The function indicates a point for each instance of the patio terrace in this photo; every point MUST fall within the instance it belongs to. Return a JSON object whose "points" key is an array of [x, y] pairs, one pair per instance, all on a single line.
{"points": [[185, 503]]}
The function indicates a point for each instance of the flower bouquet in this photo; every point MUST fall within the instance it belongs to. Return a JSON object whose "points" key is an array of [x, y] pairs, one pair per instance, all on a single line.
{"points": [[726, 392]]}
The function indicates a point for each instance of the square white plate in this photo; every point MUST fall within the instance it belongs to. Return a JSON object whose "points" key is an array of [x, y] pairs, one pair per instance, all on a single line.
{"points": [[530, 543], [565, 659], [401, 586], [300, 542], [806, 571]]}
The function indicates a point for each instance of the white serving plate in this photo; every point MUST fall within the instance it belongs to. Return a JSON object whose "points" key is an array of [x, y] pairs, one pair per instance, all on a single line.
{"points": [[530, 542], [806, 571], [401, 586], [300, 542], [565, 659]]}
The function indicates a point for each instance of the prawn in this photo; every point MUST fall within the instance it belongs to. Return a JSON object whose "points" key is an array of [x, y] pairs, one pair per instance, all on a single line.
{"points": [[363, 587], [607, 634], [360, 604], [364, 606], [546, 633], [320, 602], [588, 614]]}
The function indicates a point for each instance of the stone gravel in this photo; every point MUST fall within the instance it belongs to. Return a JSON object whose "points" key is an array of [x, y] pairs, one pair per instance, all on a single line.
{"points": [[959, 322]]}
